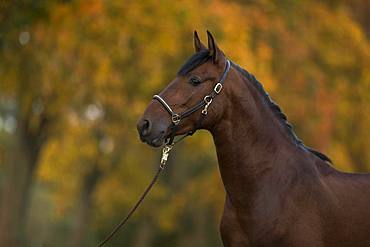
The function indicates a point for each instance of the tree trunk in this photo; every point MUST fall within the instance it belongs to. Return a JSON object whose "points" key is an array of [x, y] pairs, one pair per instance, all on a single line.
{"points": [[80, 233], [19, 175]]}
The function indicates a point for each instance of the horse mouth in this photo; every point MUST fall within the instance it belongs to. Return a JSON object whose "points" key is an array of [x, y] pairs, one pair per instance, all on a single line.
{"points": [[157, 141]]}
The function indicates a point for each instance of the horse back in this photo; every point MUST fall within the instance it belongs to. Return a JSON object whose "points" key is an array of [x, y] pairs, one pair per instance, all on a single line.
{"points": [[345, 216]]}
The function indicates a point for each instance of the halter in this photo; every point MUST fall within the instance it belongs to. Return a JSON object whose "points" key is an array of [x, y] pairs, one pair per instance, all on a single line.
{"points": [[205, 103], [175, 119]]}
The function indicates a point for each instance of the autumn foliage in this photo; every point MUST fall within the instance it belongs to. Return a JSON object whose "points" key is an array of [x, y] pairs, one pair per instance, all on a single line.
{"points": [[76, 75]]}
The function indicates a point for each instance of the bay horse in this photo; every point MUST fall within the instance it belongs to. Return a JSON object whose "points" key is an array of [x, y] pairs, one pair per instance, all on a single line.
{"points": [[279, 192]]}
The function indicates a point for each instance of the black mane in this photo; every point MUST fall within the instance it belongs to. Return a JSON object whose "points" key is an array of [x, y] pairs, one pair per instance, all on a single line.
{"points": [[278, 112], [203, 56]]}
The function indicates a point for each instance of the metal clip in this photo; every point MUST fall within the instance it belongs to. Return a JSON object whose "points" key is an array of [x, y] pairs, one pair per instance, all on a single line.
{"points": [[208, 100], [165, 153], [217, 88], [175, 118]]}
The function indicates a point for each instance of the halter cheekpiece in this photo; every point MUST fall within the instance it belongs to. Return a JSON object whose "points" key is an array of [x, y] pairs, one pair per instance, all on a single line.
{"points": [[175, 119], [205, 103]]}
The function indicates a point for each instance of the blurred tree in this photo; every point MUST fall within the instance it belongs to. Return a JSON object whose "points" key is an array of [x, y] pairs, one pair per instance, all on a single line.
{"points": [[26, 106], [76, 75]]}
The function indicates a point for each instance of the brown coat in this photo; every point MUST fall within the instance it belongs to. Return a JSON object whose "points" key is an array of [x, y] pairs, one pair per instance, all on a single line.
{"points": [[278, 191]]}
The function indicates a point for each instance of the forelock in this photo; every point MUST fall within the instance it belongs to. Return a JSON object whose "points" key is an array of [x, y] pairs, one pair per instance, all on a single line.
{"points": [[194, 61]]}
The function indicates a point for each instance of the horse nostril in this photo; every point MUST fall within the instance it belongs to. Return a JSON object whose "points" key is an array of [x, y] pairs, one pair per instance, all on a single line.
{"points": [[146, 127]]}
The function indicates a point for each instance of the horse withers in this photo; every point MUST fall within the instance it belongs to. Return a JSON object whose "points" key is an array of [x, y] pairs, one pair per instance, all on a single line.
{"points": [[279, 192]]}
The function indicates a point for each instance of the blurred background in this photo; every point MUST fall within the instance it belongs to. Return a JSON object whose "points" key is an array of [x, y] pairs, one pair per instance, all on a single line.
{"points": [[76, 75]]}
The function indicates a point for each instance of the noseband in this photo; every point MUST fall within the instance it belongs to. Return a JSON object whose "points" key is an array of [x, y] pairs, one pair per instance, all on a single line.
{"points": [[205, 103], [175, 119]]}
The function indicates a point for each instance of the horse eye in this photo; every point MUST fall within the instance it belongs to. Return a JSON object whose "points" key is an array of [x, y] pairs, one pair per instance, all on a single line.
{"points": [[195, 81]]}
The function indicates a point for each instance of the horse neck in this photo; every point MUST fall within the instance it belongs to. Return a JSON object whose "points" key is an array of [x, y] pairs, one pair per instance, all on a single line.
{"points": [[251, 143]]}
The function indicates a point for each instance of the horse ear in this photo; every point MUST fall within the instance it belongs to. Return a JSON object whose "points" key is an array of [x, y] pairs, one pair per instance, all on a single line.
{"points": [[214, 51], [198, 45]]}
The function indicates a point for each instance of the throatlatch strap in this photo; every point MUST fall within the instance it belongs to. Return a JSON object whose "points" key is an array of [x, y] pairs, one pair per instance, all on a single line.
{"points": [[175, 118]]}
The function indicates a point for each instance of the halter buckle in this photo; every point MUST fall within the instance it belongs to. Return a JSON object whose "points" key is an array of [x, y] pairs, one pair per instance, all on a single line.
{"points": [[217, 88], [175, 118]]}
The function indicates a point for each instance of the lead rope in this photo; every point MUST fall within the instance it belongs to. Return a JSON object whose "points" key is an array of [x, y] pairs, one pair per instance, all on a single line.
{"points": [[175, 119], [165, 153]]}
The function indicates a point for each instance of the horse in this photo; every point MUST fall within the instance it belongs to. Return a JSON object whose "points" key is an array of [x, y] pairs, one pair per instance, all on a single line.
{"points": [[279, 192]]}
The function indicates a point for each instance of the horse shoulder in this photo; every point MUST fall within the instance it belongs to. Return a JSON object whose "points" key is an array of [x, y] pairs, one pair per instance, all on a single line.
{"points": [[232, 233]]}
